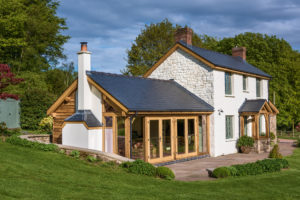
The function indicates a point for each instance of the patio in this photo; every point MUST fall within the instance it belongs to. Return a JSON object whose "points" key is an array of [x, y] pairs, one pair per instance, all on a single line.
{"points": [[196, 169]]}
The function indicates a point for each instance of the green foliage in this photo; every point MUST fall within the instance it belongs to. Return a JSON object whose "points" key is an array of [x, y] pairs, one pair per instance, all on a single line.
{"points": [[274, 153], [165, 173], [150, 45], [245, 141], [15, 140], [46, 124], [272, 136], [91, 158], [30, 34], [75, 154], [140, 167], [221, 172], [298, 142]]}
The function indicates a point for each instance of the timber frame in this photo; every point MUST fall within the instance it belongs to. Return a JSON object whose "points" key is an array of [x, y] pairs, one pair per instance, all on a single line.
{"points": [[267, 109], [208, 63]]}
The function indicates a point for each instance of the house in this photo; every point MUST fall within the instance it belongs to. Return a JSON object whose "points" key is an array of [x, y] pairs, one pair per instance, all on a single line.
{"points": [[192, 103]]}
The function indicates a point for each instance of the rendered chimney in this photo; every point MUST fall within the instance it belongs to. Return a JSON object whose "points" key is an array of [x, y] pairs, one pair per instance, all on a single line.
{"points": [[239, 51], [184, 34], [84, 64]]}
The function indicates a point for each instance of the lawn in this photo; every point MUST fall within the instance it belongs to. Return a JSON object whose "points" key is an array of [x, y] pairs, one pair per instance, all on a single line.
{"points": [[32, 174]]}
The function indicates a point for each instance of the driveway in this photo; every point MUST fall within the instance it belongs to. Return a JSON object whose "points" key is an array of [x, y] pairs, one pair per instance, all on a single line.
{"points": [[196, 169]]}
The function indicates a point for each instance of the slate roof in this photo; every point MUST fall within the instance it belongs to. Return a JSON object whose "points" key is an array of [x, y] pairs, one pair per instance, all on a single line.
{"points": [[145, 94], [252, 105], [84, 116], [226, 61]]}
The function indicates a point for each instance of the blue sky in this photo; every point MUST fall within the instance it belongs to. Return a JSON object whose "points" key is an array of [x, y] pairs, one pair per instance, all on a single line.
{"points": [[110, 26]]}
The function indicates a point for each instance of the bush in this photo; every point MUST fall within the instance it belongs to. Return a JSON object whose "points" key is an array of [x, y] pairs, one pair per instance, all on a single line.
{"points": [[221, 172], [245, 141], [272, 136], [75, 154], [91, 158], [233, 171], [140, 167], [165, 173], [35, 145], [298, 142], [46, 124], [126, 165], [275, 152], [3, 128], [284, 164]]}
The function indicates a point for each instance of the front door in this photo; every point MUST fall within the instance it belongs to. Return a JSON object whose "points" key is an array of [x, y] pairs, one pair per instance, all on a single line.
{"points": [[159, 139]]}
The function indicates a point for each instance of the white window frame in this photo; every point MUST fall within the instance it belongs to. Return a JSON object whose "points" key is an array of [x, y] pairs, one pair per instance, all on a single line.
{"points": [[232, 123], [260, 88], [232, 84]]}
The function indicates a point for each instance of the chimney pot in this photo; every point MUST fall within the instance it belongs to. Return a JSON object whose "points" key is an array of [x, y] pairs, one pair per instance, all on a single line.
{"points": [[184, 34], [83, 46], [239, 51]]}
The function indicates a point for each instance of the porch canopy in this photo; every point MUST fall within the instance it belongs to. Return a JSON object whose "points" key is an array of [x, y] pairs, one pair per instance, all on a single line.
{"points": [[257, 109]]}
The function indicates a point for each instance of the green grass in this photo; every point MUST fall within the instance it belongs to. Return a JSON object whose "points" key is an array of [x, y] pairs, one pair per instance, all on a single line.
{"points": [[30, 174], [288, 135]]}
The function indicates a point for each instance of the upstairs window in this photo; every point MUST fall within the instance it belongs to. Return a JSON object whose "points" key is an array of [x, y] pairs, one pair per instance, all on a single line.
{"points": [[245, 83], [228, 83], [258, 87]]}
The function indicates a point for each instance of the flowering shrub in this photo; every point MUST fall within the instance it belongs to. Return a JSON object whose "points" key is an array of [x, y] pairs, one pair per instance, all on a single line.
{"points": [[46, 124]]}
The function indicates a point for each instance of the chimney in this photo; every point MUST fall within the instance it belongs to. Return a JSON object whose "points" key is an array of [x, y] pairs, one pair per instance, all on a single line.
{"points": [[239, 51], [184, 34], [84, 64]]}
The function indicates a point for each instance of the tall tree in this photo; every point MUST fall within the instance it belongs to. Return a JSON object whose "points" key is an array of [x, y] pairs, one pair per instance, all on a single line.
{"points": [[150, 45], [30, 34]]}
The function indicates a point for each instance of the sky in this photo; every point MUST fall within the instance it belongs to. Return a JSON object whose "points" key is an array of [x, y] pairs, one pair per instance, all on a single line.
{"points": [[110, 26]]}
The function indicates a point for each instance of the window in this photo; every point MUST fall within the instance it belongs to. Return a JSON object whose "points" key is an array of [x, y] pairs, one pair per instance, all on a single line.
{"points": [[228, 83], [229, 126], [258, 87], [245, 83], [245, 126]]}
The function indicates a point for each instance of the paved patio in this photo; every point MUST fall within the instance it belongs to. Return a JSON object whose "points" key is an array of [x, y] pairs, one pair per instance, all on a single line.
{"points": [[196, 169]]}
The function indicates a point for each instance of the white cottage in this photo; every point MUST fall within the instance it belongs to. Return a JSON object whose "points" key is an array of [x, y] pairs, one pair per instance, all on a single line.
{"points": [[192, 103]]}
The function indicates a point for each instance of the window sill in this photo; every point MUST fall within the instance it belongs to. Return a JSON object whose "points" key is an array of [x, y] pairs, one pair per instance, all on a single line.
{"points": [[230, 140], [229, 95], [246, 91]]}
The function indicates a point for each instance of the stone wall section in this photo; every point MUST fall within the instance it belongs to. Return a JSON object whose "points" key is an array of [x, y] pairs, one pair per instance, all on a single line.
{"points": [[189, 72]]}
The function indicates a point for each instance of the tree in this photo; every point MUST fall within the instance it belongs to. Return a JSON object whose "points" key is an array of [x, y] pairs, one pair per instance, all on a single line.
{"points": [[150, 45], [7, 78], [30, 34]]}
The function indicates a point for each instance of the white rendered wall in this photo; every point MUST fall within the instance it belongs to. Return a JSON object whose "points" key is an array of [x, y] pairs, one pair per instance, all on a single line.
{"points": [[77, 135], [95, 103], [230, 106]]}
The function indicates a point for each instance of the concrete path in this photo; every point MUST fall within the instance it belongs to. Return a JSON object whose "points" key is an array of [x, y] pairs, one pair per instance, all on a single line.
{"points": [[196, 169]]}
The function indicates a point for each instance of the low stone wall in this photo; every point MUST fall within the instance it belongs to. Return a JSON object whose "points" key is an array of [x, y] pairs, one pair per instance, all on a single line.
{"points": [[45, 138]]}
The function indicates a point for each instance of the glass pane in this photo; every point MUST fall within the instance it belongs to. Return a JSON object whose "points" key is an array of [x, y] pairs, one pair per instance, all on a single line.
{"points": [[166, 137], [200, 135], [228, 83], [154, 139], [191, 135], [137, 138], [257, 88], [229, 130], [108, 121], [244, 83], [262, 125], [121, 135], [245, 126], [180, 137]]}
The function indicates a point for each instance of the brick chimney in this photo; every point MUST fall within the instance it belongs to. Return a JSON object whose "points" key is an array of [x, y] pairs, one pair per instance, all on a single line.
{"points": [[184, 34], [239, 51], [84, 64]]}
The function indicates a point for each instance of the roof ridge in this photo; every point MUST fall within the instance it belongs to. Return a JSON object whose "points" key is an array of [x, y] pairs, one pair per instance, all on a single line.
{"points": [[132, 77]]}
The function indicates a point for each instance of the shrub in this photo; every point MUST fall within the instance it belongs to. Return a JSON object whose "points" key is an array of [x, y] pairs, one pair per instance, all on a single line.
{"points": [[35, 145], [269, 165], [3, 128], [245, 141], [233, 170], [298, 142], [275, 152], [46, 124], [221, 172], [165, 173], [284, 164], [141, 167], [91, 158], [75, 154], [272, 136], [126, 165]]}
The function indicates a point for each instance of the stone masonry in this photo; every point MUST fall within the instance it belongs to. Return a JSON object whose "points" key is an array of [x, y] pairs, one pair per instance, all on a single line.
{"points": [[185, 70]]}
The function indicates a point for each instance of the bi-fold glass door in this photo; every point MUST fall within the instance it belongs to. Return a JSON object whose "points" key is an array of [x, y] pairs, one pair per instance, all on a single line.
{"points": [[159, 140], [186, 137]]}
